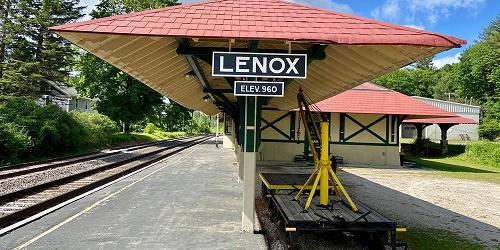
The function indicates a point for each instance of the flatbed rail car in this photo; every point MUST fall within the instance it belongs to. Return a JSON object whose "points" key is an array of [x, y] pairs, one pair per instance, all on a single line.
{"points": [[281, 189]]}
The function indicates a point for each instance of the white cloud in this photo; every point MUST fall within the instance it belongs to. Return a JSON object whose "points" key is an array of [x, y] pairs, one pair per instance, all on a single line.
{"points": [[444, 4], [431, 11], [439, 63], [327, 4], [390, 10], [415, 26]]}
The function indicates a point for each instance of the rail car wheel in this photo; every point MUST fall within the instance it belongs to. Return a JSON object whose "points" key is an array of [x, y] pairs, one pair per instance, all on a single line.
{"points": [[293, 241], [263, 191], [373, 240]]}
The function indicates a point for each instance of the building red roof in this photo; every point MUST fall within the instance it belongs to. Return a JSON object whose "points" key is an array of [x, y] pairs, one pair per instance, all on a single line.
{"points": [[260, 19], [447, 120], [369, 98]]}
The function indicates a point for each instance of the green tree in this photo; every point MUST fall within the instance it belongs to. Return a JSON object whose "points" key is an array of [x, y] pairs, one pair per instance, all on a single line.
{"points": [[178, 117], [478, 72], [446, 82], [7, 12], [425, 64], [31, 52], [121, 97], [413, 82]]}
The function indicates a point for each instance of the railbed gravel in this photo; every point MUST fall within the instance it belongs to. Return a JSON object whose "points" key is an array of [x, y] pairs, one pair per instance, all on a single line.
{"points": [[17, 183]]}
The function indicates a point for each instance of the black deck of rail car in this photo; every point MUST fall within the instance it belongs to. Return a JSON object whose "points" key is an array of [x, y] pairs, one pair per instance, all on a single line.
{"points": [[280, 181], [340, 218]]}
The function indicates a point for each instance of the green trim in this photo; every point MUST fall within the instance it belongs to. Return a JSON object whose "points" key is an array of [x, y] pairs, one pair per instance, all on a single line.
{"points": [[269, 124], [333, 142], [283, 141], [387, 129], [260, 102], [241, 123], [397, 130], [250, 114], [342, 127], [367, 128], [393, 127], [292, 125], [362, 143]]}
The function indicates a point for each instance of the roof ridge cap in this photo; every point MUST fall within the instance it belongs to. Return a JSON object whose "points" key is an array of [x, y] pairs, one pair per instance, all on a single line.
{"points": [[449, 38], [131, 14]]}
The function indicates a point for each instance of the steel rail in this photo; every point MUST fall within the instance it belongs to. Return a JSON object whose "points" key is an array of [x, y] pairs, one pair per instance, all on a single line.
{"points": [[44, 204], [32, 168], [57, 159]]}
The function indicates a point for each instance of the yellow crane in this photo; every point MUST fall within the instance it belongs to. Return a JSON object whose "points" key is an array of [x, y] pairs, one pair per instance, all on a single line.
{"points": [[318, 140]]}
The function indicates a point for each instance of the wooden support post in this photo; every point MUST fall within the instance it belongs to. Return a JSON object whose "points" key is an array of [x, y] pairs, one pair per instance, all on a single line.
{"points": [[443, 145]]}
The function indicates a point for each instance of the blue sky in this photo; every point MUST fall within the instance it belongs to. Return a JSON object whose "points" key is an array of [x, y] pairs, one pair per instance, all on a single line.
{"points": [[460, 18]]}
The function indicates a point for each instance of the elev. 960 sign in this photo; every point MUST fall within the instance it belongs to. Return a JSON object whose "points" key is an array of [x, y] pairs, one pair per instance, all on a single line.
{"points": [[258, 88]]}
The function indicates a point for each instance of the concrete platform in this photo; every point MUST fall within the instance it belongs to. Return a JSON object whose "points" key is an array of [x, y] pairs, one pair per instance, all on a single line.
{"points": [[189, 201]]}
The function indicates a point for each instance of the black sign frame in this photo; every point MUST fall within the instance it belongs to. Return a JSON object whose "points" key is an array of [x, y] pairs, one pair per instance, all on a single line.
{"points": [[279, 85], [301, 70]]}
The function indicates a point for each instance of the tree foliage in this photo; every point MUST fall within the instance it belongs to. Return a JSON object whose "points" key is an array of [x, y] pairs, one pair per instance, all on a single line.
{"points": [[29, 52], [415, 82], [475, 77], [120, 96], [29, 130], [478, 73]]}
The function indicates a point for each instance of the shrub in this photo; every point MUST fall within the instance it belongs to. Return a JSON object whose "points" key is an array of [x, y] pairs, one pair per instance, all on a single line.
{"points": [[56, 131], [484, 151], [14, 142], [150, 128], [29, 130], [489, 129], [99, 128]]}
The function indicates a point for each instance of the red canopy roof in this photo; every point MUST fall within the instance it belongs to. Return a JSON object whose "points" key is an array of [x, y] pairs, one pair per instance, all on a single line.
{"points": [[447, 120], [260, 19], [369, 98]]}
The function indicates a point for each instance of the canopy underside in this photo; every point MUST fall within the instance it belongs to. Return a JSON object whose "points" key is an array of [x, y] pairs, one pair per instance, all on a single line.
{"points": [[154, 61]]}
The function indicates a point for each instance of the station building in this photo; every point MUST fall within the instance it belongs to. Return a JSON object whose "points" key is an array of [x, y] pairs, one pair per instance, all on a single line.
{"points": [[364, 119]]}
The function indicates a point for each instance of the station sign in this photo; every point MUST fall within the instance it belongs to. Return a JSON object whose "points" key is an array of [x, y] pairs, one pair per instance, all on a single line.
{"points": [[272, 65], [259, 88]]}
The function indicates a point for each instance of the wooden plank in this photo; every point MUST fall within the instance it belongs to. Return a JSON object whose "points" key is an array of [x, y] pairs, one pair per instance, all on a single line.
{"points": [[374, 216], [290, 206], [299, 207], [280, 201]]}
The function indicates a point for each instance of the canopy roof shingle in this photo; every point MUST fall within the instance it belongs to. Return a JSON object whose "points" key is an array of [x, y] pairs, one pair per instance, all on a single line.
{"points": [[146, 45], [261, 19], [369, 98]]}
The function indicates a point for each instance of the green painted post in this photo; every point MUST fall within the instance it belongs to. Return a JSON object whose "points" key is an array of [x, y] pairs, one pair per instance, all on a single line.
{"points": [[342, 127]]}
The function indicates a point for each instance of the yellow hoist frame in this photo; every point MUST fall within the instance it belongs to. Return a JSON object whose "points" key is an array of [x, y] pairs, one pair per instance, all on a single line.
{"points": [[323, 166]]}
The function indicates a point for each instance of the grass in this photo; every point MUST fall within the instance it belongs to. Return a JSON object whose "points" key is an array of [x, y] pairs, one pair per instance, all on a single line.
{"points": [[121, 139], [459, 168], [457, 164], [430, 239]]}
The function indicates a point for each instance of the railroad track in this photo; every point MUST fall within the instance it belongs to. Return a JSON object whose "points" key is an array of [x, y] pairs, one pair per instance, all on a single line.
{"points": [[37, 166], [19, 203]]}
